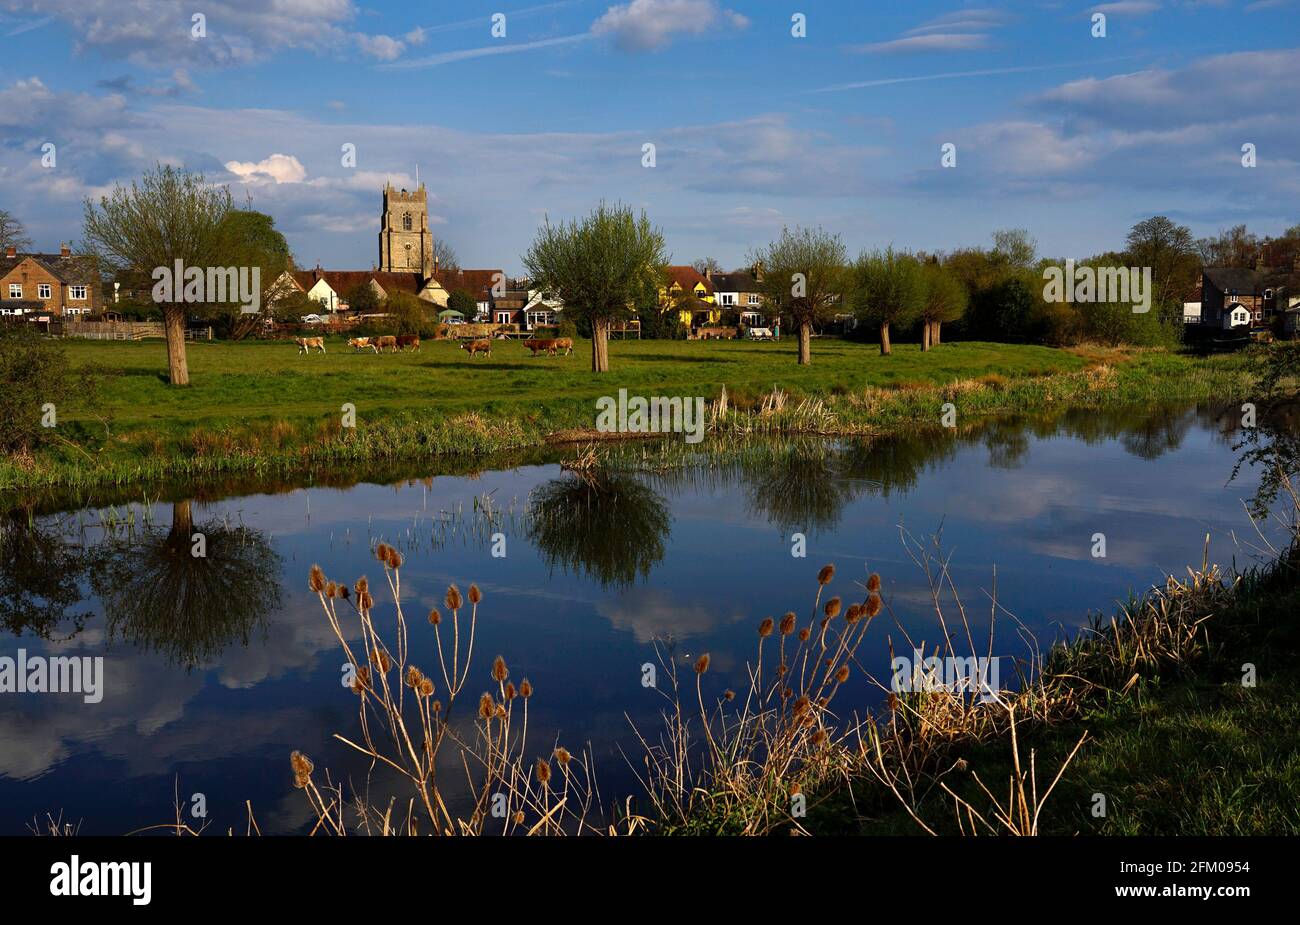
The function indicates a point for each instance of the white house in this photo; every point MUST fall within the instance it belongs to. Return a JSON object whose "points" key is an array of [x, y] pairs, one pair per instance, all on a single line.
{"points": [[1236, 315]]}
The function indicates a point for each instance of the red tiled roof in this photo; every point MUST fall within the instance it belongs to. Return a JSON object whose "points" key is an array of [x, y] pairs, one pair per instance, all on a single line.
{"points": [[687, 277], [475, 282]]}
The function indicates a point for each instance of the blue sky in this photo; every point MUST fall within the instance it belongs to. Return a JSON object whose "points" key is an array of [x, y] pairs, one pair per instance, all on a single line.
{"points": [[1071, 136]]}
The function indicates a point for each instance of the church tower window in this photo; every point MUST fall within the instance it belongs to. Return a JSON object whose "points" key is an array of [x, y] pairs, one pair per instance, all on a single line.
{"points": [[406, 221]]}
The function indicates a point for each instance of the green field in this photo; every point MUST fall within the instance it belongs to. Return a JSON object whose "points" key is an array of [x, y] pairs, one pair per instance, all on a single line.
{"points": [[236, 382], [260, 406]]}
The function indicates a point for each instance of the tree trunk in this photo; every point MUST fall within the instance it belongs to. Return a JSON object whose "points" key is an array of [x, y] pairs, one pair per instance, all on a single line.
{"points": [[884, 339], [936, 339], [174, 327], [600, 346], [805, 343], [926, 327]]}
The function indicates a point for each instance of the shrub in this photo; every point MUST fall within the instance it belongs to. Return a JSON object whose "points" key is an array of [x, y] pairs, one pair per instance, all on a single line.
{"points": [[34, 372]]}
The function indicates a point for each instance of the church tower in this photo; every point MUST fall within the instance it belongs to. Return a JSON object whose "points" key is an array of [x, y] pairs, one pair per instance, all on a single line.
{"points": [[405, 243]]}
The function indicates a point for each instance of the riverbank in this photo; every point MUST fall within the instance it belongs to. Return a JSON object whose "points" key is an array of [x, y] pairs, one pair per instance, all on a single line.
{"points": [[1178, 716], [261, 409]]}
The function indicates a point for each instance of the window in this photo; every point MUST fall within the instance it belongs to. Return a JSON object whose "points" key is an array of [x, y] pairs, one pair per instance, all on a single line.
{"points": [[753, 298], [15, 290], [728, 298], [406, 222], [77, 293], [503, 317], [43, 290]]}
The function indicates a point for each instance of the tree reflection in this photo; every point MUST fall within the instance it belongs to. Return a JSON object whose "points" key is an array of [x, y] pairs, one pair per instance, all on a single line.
{"points": [[611, 527], [158, 595], [40, 578]]}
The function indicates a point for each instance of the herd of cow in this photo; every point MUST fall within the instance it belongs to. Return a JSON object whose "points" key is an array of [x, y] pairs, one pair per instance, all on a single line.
{"points": [[551, 346]]}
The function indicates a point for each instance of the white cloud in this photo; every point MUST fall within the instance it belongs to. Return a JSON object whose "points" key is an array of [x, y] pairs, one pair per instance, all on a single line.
{"points": [[278, 168], [935, 41], [649, 25]]}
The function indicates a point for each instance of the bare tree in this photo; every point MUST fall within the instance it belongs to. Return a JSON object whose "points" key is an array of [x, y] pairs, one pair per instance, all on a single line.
{"points": [[12, 232]]}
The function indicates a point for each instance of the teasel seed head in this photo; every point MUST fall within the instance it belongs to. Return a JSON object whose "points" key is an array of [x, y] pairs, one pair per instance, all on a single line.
{"points": [[510, 690], [331, 590], [804, 634], [787, 623], [563, 757], [873, 605], [795, 789], [434, 617], [893, 701], [382, 551], [394, 560], [729, 694], [453, 600], [426, 688], [362, 585], [413, 677], [873, 582], [363, 677], [543, 771], [437, 706], [853, 614], [344, 592], [501, 711], [826, 574], [819, 737], [801, 705], [843, 674], [316, 579], [702, 663], [765, 628], [499, 670], [486, 708], [302, 768], [519, 817], [475, 595], [365, 601], [525, 689], [379, 658], [833, 608]]}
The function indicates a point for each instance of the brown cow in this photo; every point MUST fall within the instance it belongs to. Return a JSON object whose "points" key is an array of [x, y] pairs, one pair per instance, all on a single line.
{"points": [[387, 340], [477, 346], [564, 345], [408, 340], [306, 343], [362, 343], [538, 344]]}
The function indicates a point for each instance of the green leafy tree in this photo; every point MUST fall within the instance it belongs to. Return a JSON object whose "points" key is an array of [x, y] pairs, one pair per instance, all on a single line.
{"points": [[804, 277], [411, 315], [944, 300], [362, 299], [598, 266], [464, 302], [1170, 251], [35, 380], [888, 289], [170, 214]]}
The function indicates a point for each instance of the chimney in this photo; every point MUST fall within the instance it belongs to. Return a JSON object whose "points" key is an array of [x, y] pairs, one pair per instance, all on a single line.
{"points": [[708, 274], [11, 251]]}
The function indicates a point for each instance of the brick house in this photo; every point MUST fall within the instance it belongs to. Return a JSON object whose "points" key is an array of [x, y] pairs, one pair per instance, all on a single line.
{"points": [[1240, 296], [58, 285], [740, 292]]}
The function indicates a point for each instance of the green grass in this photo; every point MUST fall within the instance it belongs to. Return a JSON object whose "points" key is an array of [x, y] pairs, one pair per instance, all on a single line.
{"points": [[261, 406]]}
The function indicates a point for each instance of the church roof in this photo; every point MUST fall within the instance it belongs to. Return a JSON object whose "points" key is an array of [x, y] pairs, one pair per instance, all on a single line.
{"points": [[476, 282]]}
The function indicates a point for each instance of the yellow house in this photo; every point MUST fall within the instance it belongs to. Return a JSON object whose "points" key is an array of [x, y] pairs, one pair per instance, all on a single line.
{"points": [[692, 289]]}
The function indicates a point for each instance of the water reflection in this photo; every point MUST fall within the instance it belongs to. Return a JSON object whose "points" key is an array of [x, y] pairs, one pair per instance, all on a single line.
{"points": [[190, 590], [611, 527]]}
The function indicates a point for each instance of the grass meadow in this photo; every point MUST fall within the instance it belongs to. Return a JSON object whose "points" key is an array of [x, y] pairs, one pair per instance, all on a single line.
{"points": [[261, 406]]}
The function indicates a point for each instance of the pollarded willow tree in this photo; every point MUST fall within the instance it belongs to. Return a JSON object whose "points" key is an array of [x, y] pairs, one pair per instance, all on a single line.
{"points": [[803, 279], [945, 300], [170, 214], [598, 266], [888, 289]]}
